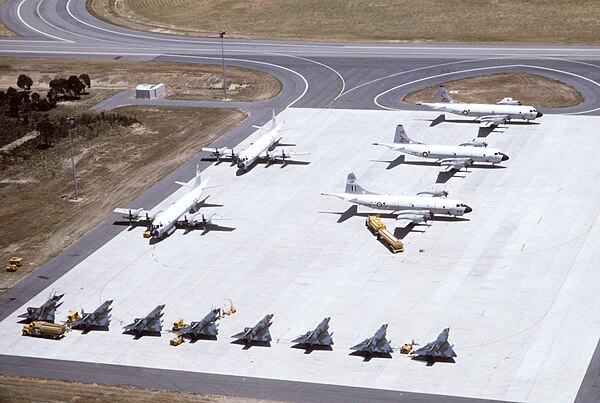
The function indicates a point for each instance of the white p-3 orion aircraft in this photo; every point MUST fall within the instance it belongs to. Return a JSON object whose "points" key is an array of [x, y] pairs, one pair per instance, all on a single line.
{"points": [[265, 148], [488, 114], [182, 212], [449, 157], [408, 209]]}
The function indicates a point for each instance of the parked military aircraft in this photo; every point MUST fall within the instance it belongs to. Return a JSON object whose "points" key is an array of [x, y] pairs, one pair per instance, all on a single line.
{"points": [[182, 212], [377, 344], [99, 318], [205, 327], [449, 157], [46, 312], [409, 209], [151, 323], [487, 114], [319, 337], [265, 148], [260, 332], [440, 348]]}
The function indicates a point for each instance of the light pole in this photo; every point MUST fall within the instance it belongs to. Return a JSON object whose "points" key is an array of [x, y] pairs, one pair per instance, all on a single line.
{"points": [[70, 120], [222, 34]]}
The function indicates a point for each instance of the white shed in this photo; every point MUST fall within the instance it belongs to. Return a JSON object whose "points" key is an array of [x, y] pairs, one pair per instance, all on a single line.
{"points": [[150, 91]]}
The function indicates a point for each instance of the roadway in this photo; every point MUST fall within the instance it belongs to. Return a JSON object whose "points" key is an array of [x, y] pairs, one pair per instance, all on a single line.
{"points": [[315, 75]]}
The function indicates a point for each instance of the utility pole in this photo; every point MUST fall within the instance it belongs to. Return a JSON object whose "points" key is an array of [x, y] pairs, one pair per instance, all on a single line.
{"points": [[222, 34], [70, 120]]}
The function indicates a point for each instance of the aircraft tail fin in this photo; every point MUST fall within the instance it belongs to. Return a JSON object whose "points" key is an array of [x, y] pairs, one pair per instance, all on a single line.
{"points": [[353, 187], [443, 97], [401, 137]]}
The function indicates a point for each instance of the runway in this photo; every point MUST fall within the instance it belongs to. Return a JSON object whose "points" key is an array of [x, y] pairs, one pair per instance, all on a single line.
{"points": [[315, 75]]}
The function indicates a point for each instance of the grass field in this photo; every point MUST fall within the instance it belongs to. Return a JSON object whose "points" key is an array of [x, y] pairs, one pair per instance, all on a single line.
{"points": [[530, 89], [452, 21]]}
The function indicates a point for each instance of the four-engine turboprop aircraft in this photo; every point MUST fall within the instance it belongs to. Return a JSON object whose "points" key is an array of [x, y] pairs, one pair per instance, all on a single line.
{"points": [[265, 148], [487, 114], [183, 211], [449, 157], [409, 209]]}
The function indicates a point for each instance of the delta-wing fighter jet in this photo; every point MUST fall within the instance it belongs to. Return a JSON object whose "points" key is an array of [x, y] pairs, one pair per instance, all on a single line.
{"points": [[151, 323], [377, 344], [265, 148], [488, 114], [46, 312], [408, 209], [440, 348], [100, 318], [318, 337], [207, 327], [258, 333], [183, 212], [449, 157]]}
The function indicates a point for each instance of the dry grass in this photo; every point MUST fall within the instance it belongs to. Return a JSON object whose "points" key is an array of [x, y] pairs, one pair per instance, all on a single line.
{"points": [[451, 21], [183, 80], [15, 389], [530, 89], [4, 31]]}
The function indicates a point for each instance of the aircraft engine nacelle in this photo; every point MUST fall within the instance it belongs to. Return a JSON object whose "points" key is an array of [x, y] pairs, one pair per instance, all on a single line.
{"points": [[416, 216]]}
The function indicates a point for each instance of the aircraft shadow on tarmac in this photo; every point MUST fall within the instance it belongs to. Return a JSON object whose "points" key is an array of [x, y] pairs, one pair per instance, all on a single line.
{"points": [[369, 356], [251, 344], [432, 360], [138, 336], [309, 349], [193, 339], [95, 329]]}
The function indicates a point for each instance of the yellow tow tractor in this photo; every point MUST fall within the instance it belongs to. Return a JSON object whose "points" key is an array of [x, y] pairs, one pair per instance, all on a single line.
{"points": [[178, 325], [14, 263], [73, 316], [408, 347], [232, 309], [147, 234], [378, 228]]}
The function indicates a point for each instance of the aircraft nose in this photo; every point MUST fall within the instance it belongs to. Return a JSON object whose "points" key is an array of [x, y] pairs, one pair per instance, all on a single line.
{"points": [[504, 157], [468, 209], [539, 115]]}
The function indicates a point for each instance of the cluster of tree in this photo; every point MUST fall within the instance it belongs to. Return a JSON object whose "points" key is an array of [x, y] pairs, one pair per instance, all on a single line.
{"points": [[71, 87]]}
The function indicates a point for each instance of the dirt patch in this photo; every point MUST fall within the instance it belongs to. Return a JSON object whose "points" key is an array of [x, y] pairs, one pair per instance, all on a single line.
{"points": [[530, 89], [455, 21], [202, 82], [16, 389]]}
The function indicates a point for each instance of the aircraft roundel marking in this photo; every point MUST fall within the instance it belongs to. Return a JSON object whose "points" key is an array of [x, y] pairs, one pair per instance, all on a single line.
{"points": [[425, 153], [379, 204], [465, 112]]}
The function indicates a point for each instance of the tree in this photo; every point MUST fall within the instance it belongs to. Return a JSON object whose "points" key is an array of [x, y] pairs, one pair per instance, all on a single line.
{"points": [[75, 86], [52, 97], [60, 86], [47, 130], [24, 82], [85, 79]]}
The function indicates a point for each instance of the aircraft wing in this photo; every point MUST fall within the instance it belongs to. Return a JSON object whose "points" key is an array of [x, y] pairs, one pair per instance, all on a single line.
{"points": [[362, 346], [493, 120], [136, 214], [425, 350], [446, 351], [449, 164], [208, 219], [403, 222], [221, 153], [263, 335], [303, 339], [383, 347]]}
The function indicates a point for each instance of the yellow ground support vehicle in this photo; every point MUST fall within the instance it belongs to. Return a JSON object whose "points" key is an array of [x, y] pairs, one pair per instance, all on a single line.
{"points": [[11, 267], [17, 261], [379, 229], [45, 329], [178, 325], [176, 341]]}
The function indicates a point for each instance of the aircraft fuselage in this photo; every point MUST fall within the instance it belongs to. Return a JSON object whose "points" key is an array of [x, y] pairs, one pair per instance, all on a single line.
{"points": [[165, 221], [260, 148], [523, 112], [435, 205]]}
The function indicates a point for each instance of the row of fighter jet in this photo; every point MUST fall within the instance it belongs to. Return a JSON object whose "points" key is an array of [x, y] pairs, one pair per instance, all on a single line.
{"points": [[207, 327], [412, 210]]}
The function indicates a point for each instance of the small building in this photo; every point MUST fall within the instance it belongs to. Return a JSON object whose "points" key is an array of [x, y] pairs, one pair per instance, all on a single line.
{"points": [[150, 91]]}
